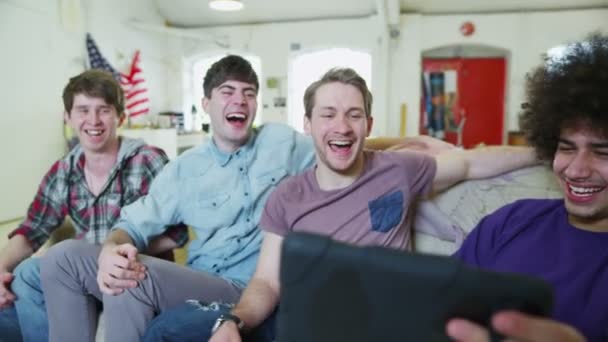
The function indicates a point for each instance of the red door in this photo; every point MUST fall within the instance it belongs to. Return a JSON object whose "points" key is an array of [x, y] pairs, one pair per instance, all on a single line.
{"points": [[464, 96]]}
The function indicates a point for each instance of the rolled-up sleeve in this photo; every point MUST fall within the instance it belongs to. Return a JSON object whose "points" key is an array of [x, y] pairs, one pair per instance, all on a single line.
{"points": [[152, 214]]}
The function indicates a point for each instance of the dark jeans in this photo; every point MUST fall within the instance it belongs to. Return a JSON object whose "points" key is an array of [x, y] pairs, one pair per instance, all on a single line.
{"points": [[193, 321]]}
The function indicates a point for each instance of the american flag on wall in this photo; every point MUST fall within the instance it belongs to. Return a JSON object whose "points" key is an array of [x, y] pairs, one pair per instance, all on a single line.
{"points": [[136, 94]]}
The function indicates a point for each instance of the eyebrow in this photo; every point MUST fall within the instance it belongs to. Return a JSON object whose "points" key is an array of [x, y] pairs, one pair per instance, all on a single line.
{"points": [[351, 109], [329, 108], [233, 88], [593, 145], [87, 106]]}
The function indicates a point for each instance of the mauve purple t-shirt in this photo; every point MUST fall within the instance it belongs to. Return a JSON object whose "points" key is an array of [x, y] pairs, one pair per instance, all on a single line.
{"points": [[373, 211], [534, 237]]}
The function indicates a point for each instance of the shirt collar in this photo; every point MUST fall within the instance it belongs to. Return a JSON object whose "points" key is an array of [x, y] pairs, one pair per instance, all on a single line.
{"points": [[223, 158]]}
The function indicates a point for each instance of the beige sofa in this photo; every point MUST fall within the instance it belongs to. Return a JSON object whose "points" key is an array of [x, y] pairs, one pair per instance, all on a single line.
{"points": [[459, 208], [464, 205]]}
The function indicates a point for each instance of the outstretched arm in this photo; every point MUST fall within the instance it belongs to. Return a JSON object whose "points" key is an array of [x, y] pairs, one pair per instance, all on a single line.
{"points": [[457, 165], [421, 143], [261, 296]]}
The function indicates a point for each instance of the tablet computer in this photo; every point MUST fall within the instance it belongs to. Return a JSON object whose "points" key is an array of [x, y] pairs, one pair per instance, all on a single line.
{"points": [[331, 291]]}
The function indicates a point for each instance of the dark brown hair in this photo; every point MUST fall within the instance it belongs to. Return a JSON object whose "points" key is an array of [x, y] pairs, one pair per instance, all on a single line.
{"points": [[94, 83], [231, 67]]}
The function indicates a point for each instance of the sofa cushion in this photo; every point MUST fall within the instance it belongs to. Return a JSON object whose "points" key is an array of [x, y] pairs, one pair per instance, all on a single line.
{"points": [[461, 207]]}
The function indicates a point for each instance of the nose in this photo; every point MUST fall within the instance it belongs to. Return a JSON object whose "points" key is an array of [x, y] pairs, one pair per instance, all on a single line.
{"points": [[95, 117], [239, 98], [342, 125], [580, 166]]}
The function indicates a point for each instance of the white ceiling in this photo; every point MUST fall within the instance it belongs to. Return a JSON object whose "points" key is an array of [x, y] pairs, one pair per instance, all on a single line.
{"points": [[196, 13]]}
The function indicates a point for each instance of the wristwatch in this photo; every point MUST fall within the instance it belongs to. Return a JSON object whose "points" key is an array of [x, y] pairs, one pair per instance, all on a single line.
{"points": [[227, 317]]}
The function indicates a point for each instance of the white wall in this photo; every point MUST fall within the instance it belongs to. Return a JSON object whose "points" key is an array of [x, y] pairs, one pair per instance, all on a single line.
{"points": [[525, 35], [272, 42], [39, 54]]}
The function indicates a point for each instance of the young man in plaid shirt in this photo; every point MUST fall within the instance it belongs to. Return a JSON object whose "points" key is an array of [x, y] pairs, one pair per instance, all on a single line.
{"points": [[91, 184]]}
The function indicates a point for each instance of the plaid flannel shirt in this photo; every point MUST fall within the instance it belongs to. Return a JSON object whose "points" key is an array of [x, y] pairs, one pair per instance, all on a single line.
{"points": [[63, 191]]}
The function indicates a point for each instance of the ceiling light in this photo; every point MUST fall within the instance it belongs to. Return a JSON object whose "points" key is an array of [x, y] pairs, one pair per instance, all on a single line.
{"points": [[226, 5]]}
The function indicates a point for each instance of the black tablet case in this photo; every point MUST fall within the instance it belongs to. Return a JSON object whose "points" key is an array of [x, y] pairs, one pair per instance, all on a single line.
{"points": [[331, 291]]}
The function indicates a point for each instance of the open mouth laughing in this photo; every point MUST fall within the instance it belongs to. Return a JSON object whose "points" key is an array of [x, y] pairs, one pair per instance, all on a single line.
{"points": [[236, 119], [340, 146], [583, 193]]}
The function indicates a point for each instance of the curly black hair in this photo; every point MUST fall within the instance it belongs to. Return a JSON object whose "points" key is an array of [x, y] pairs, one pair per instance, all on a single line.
{"points": [[567, 91]]}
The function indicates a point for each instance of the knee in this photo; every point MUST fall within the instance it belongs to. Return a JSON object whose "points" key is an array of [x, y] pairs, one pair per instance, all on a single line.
{"points": [[26, 278], [66, 249], [60, 256]]}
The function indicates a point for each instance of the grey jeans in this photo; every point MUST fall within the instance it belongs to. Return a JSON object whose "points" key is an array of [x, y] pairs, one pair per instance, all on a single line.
{"points": [[68, 275]]}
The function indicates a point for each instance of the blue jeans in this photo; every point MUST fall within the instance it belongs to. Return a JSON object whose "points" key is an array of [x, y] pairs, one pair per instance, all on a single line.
{"points": [[9, 325], [193, 322], [32, 324]]}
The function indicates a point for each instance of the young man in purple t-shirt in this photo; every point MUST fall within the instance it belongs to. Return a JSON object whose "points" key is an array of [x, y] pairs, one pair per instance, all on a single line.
{"points": [[356, 196], [564, 242]]}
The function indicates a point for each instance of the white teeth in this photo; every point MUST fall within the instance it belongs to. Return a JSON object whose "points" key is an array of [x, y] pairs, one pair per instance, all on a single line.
{"points": [[93, 132], [340, 143], [236, 116], [583, 191]]}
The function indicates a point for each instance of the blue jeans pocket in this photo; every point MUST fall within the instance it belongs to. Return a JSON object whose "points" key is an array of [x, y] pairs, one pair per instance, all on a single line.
{"points": [[386, 212]]}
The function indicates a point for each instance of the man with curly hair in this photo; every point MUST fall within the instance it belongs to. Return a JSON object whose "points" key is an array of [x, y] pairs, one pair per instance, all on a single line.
{"points": [[562, 241]]}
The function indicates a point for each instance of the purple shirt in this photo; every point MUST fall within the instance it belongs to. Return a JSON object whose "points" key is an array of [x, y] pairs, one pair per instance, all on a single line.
{"points": [[373, 211], [534, 237]]}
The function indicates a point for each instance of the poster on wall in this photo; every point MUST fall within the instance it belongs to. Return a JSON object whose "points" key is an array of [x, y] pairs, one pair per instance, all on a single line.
{"points": [[463, 100], [440, 93]]}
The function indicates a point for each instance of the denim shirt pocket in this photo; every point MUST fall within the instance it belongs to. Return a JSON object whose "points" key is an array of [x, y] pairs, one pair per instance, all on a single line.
{"points": [[386, 212], [212, 202], [212, 212], [271, 177]]}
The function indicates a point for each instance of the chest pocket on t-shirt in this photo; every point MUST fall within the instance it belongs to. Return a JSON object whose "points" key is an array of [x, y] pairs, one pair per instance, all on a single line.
{"points": [[386, 212]]}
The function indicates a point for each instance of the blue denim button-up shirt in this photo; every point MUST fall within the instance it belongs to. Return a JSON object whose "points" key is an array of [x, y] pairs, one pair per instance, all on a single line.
{"points": [[221, 196]]}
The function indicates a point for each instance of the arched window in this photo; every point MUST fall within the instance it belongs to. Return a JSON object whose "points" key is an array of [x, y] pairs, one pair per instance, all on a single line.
{"points": [[194, 73], [305, 68]]}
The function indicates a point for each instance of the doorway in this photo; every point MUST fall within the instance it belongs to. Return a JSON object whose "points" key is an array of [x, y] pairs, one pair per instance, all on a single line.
{"points": [[463, 99]]}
